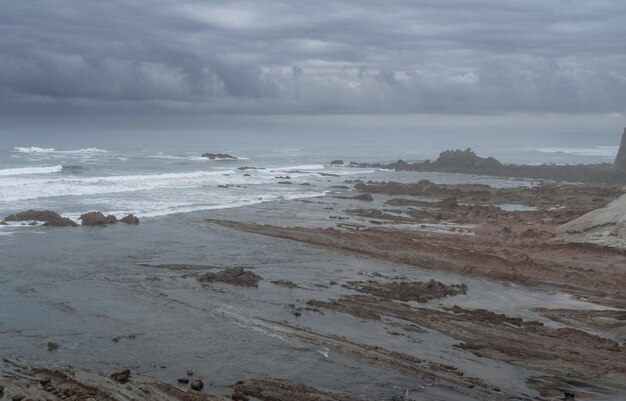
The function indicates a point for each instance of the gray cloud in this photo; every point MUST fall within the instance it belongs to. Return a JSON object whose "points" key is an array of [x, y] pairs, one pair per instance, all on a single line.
{"points": [[281, 57]]}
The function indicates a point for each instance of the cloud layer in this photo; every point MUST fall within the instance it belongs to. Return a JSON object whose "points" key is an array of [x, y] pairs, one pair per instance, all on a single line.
{"points": [[281, 57]]}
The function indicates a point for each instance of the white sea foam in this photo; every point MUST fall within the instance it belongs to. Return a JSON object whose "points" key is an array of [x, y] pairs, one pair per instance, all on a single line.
{"points": [[35, 149], [30, 170], [301, 167], [162, 208], [602, 151], [14, 189]]}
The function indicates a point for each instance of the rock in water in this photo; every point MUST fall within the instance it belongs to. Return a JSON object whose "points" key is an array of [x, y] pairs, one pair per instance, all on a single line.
{"points": [[234, 276], [197, 385], [122, 376], [93, 219], [219, 156], [337, 162], [49, 217], [130, 219], [620, 160]]}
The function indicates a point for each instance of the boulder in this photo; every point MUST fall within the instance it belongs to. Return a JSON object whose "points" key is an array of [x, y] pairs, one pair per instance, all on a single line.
{"points": [[49, 218], [337, 162], [234, 276], [93, 219], [219, 156], [197, 385], [122, 376], [364, 197], [130, 219]]}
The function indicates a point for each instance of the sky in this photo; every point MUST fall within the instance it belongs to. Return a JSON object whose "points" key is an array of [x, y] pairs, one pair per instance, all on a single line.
{"points": [[558, 61]]}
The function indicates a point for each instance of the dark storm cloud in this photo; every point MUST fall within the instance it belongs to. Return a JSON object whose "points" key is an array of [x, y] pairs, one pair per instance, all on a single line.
{"points": [[474, 57]]}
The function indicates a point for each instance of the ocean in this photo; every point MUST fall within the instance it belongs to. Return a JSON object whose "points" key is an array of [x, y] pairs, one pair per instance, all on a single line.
{"points": [[153, 177]]}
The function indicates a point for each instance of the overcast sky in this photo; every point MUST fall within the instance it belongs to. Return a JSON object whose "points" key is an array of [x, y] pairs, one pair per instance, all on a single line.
{"points": [[473, 57]]}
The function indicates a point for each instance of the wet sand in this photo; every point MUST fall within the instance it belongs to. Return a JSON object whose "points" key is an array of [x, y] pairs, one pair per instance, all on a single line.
{"points": [[405, 296]]}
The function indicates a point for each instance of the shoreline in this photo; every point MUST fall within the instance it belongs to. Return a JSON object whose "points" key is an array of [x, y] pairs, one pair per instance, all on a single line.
{"points": [[365, 287]]}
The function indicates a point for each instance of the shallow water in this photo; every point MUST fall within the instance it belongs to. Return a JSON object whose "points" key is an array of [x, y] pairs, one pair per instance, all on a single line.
{"points": [[81, 287]]}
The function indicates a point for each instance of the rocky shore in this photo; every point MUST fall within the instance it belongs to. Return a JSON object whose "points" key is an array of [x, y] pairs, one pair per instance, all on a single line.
{"points": [[468, 162], [381, 290]]}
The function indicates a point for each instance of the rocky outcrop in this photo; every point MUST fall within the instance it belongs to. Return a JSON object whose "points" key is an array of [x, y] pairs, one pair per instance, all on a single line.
{"points": [[620, 160], [121, 376], [97, 219], [468, 162], [49, 218], [336, 162], [363, 197], [234, 276], [130, 219], [608, 221], [219, 156]]}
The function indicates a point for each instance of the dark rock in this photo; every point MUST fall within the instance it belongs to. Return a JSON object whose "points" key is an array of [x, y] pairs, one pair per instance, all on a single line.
{"points": [[363, 197], [52, 346], [448, 203], [183, 380], [96, 219], [219, 156], [197, 385], [467, 159], [130, 219], [122, 376], [237, 396], [17, 397], [189, 372], [285, 283], [49, 217], [335, 162], [234, 276], [620, 160]]}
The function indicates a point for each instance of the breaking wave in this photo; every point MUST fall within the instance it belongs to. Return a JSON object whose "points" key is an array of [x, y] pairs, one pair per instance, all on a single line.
{"points": [[35, 149], [30, 170]]}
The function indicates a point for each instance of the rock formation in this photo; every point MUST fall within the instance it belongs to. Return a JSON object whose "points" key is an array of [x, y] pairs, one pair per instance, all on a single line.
{"points": [[130, 219], [97, 219], [49, 217], [620, 160], [467, 159], [219, 156], [234, 276], [608, 220]]}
